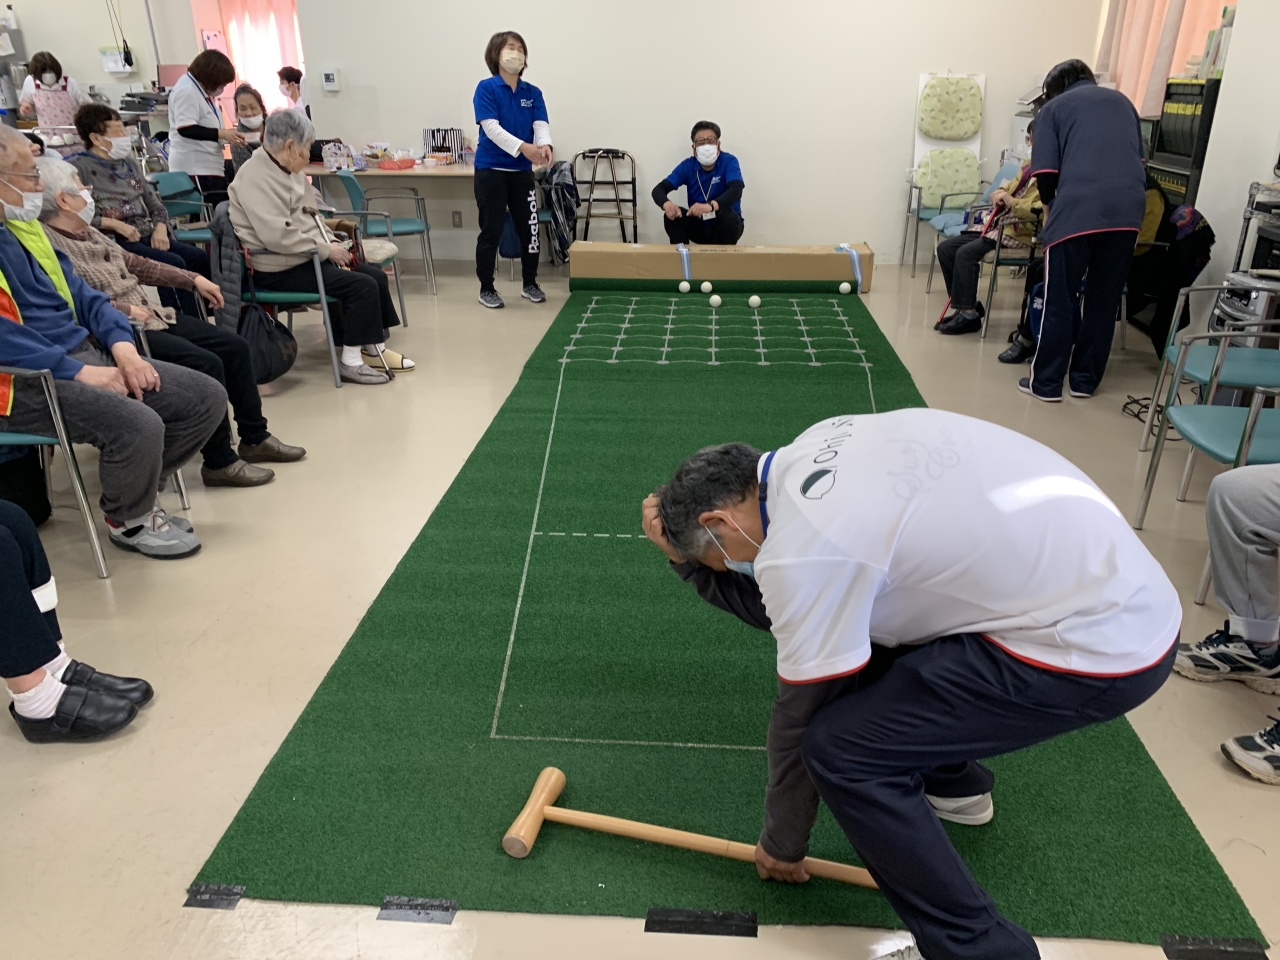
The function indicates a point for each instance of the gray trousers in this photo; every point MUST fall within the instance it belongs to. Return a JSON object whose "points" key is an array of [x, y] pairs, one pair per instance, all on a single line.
{"points": [[1243, 517], [138, 442]]}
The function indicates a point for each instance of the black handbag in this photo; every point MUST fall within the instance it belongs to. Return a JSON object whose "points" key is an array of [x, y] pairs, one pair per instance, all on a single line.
{"points": [[272, 347]]}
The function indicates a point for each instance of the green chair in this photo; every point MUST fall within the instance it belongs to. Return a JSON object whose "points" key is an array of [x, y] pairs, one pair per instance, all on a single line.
{"points": [[1226, 434], [62, 441], [181, 198], [275, 300], [364, 216], [939, 178], [1003, 256], [398, 226], [1214, 366]]}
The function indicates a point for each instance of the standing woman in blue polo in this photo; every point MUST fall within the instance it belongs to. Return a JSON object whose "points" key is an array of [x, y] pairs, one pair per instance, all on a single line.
{"points": [[1087, 161], [514, 135]]}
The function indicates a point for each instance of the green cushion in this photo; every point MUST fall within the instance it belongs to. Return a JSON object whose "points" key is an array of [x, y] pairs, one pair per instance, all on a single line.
{"points": [[25, 440], [280, 297], [950, 108], [400, 226], [193, 236], [950, 170], [1216, 431], [1241, 367]]}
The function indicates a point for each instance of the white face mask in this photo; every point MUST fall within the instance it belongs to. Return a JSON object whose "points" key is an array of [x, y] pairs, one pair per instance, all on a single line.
{"points": [[253, 123], [512, 62], [89, 206], [48, 79], [284, 88], [121, 147], [707, 154], [31, 205]]}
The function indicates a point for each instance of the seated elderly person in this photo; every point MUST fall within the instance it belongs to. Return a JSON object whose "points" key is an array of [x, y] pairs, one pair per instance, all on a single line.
{"points": [[146, 419], [960, 257], [127, 206], [175, 338], [271, 209]]}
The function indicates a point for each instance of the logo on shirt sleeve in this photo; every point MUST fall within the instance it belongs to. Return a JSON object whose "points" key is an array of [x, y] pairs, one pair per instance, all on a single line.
{"points": [[818, 484]]}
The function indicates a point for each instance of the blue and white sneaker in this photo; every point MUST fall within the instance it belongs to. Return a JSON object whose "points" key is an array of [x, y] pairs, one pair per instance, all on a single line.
{"points": [[1257, 754], [1224, 656]]}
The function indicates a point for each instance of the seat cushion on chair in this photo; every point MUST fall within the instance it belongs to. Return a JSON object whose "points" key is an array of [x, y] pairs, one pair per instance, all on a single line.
{"points": [[950, 108], [26, 440], [193, 236], [953, 170], [1242, 366], [400, 226], [1216, 431], [944, 223]]}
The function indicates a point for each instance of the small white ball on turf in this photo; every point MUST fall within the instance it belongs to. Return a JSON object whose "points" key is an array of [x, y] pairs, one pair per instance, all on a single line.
{"points": [[684, 286], [715, 299], [706, 286], [846, 287], [753, 302]]}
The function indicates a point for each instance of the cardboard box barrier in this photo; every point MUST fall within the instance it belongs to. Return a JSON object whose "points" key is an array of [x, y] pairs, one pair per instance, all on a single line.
{"points": [[654, 261]]}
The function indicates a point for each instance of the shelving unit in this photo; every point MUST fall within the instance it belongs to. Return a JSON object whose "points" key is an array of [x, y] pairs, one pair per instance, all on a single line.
{"points": [[1182, 136]]}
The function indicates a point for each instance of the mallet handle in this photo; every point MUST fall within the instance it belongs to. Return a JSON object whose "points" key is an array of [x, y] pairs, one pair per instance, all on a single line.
{"points": [[699, 842]]}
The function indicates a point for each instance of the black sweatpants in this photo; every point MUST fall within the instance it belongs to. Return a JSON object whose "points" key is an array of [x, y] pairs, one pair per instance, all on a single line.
{"points": [[216, 352], [184, 256], [723, 231], [29, 638], [364, 309], [955, 700], [1075, 344], [961, 261], [498, 191]]}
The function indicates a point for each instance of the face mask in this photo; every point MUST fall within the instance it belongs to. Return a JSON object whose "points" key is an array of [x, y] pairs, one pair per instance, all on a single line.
{"points": [[745, 567], [30, 209], [512, 62], [284, 88], [120, 148], [707, 154], [87, 213], [48, 79], [253, 123]]}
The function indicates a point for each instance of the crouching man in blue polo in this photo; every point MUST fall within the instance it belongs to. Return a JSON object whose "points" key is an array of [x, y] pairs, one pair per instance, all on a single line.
{"points": [[941, 590], [713, 183]]}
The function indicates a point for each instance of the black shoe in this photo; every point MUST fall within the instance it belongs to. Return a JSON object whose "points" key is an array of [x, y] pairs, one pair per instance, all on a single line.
{"points": [[1021, 351], [490, 299], [534, 293], [1025, 386], [959, 323], [132, 689], [978, 308], [82, 714]]}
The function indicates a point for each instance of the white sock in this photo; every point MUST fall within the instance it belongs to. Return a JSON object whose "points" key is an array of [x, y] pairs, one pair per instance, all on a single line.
{"points": [[58, 665], [41, 701], [351, 356]]}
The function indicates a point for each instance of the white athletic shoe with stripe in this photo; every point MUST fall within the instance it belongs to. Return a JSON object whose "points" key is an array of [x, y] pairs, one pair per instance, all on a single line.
{"points": [[154, 536], [971, 811], [1257, 754], [1224, 656]]}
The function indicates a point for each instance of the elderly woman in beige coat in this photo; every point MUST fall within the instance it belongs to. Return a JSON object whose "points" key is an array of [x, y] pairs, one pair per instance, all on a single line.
{"points": [[271, 210]]}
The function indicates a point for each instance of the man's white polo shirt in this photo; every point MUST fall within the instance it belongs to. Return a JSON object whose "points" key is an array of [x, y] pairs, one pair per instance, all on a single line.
{"points": [[899, 528]]}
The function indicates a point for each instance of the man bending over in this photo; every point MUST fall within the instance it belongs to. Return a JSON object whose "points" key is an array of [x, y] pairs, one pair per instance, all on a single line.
{"points": [[713, 184], [941, 590]]}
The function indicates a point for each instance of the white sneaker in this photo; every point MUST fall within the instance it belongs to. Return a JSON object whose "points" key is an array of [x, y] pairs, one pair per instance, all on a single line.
{"points": [[154, 536], [182, 523], [971, 811], [1257, 754]]}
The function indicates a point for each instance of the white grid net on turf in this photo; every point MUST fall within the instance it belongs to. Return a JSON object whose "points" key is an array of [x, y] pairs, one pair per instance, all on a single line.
{"points": [[812, 331]]}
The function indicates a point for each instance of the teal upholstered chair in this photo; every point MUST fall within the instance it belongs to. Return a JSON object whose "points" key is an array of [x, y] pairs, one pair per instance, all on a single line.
{"points": [[277, 300], [63, 442], [181, 197], [417, 226]]}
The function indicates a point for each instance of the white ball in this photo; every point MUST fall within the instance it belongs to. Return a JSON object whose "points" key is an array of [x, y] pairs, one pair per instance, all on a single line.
{"points": [[753, 302], [706, 286], [846, 288], [715, 297], [684, 286]]}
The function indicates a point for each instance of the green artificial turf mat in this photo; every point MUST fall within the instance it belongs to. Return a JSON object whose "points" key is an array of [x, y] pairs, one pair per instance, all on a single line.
{"points": [[401, 776]]}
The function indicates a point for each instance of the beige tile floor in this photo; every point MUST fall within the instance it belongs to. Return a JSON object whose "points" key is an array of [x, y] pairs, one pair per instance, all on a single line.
{"points": [[98, 842]]}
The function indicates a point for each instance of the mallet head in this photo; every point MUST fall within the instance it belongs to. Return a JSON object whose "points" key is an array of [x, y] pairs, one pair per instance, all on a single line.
{"points": [[524, 831]]}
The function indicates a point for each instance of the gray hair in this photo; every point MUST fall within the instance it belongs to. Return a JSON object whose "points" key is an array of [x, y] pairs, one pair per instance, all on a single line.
{"points": [[710, 479], [284, 125], [12, 141], [58, 177]]}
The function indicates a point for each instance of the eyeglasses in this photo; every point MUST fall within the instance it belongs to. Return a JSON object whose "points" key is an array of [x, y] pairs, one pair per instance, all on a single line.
{"points": [[705, 142], [18, 173]]}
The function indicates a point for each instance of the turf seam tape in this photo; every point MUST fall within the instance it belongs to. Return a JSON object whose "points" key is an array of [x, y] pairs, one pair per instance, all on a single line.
{"points": [[707, 923], [1178, 947], [418, 909], [214, 896]]}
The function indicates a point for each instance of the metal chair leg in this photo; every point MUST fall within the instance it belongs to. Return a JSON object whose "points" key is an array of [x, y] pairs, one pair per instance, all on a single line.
{"points": [[915, 246], [180, 482], [1158, 452], [73, 469], [1149, 423], [933, 258], [1186, 474], [428, 259], [404, 314], [328, 324], [991, 292], [1206, 578]]}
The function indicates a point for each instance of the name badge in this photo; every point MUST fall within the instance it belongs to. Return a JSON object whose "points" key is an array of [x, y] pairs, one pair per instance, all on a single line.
{"points": [[709, 216]]}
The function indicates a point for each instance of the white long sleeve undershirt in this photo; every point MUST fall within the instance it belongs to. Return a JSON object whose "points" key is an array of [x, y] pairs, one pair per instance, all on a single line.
{"points": [[511, 143]]}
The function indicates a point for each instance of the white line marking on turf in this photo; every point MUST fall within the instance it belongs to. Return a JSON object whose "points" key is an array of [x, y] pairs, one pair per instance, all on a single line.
{"points": [[857, 349], [625, 743], [528, 553]]}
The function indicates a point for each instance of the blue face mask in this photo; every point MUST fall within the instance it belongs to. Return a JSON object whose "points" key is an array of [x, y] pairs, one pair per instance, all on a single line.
{"points": [[745, 567]]}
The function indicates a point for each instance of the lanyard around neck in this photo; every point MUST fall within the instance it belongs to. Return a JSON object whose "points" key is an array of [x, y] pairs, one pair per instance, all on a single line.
{"points": [[764, 492]]}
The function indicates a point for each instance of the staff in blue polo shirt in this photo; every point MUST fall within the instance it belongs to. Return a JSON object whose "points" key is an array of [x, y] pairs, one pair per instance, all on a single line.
{"points": [[1087, 161], [713, 182], [514, 135]]}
